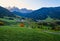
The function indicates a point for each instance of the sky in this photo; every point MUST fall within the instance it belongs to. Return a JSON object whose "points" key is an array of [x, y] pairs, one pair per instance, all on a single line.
{"points": [[30, 4]]}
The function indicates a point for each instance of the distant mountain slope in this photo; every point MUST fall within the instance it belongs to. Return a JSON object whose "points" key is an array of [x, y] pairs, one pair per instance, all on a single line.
{"points": [[43, 13], [54, 12], [20, 14], [23, 10], [40, 14], [5, 13]]}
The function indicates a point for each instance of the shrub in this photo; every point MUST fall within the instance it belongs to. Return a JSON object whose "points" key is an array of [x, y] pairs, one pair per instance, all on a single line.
{"points": [[22, 25], [1, 23], [57, 28]]}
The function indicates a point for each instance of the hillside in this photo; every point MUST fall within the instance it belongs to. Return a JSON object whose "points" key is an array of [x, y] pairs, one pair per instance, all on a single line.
{"points": [[17, 26], [6, 13], [42, 13], [24, 34]]}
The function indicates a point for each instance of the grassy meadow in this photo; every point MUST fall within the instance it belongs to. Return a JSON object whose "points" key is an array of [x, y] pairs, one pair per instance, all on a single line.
{"points": [[10, 33], [13, 32]]}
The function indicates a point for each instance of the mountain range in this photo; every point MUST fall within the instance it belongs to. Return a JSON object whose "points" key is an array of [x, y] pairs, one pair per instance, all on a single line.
{"points": [[40, 14], [43, 13], [5, 13], [23, 10]]}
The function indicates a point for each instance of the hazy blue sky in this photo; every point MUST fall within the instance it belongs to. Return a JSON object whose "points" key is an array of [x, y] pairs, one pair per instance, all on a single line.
{"points": [[30, 4]]}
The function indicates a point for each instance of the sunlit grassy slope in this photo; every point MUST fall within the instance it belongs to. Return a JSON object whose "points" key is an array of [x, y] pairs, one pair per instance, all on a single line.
{"points": [[3, 19], [11, 33], [16, 33]]}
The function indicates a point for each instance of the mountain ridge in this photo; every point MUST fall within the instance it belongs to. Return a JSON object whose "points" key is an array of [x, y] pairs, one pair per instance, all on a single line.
{"points": [[22, 10], [40, 14], [43, 13]]}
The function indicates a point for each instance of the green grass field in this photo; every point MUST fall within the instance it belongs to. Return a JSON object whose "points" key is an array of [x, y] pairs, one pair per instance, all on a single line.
{"points": [[13, 32], [16, 33]]}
